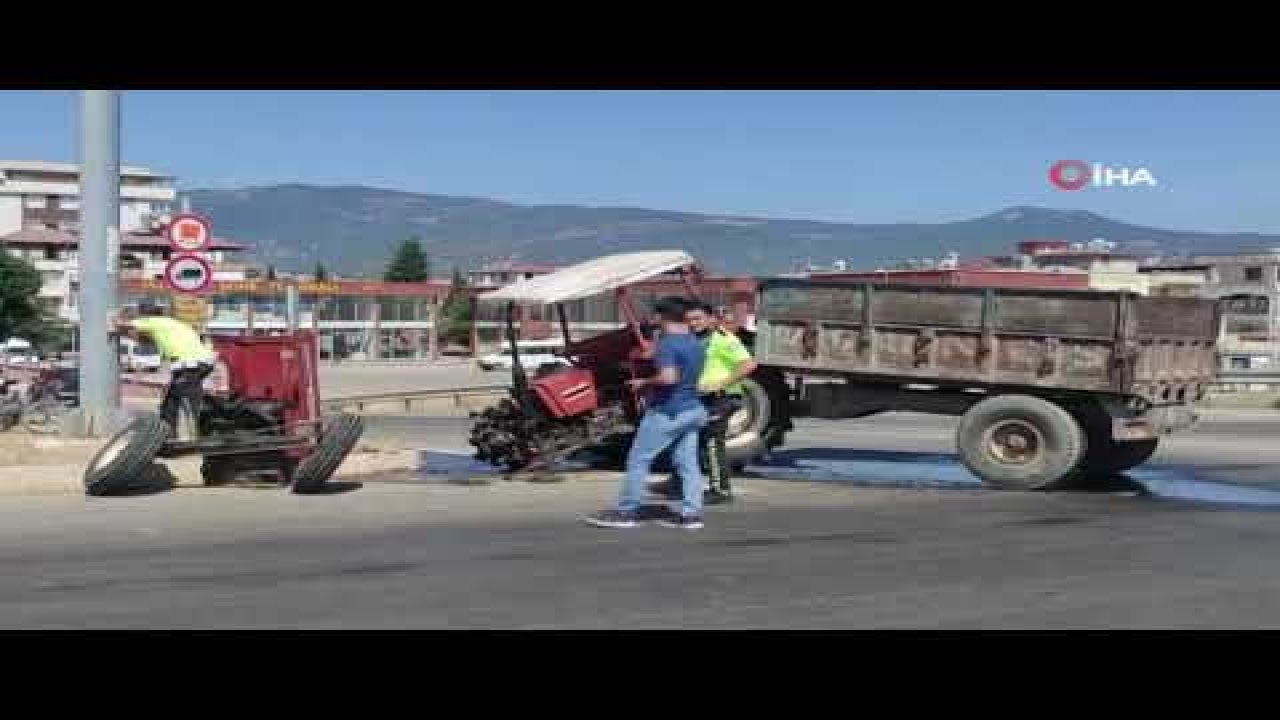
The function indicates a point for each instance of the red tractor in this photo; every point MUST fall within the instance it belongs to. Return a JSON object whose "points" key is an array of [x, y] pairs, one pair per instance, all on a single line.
{"points": [[561, 409], [265, 420]]}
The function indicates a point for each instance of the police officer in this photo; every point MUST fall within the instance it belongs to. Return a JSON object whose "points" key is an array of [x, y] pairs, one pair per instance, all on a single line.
{"points": [[190, 360]]}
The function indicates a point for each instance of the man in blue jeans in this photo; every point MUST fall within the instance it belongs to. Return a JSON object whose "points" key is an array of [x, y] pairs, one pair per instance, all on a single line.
{"points": [[674, 416]]}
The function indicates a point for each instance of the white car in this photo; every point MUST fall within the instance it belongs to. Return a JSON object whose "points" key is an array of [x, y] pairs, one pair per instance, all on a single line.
{"points": [[533, 355], [138, 357]]}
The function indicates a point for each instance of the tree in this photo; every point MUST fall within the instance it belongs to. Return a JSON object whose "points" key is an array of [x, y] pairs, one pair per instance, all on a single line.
{"points": [[21, 314], [456, 313], [321, 273], [410, 263]]}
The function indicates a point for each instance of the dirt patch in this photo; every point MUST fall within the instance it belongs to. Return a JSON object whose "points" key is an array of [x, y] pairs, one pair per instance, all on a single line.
{"points": [[21, 448]]}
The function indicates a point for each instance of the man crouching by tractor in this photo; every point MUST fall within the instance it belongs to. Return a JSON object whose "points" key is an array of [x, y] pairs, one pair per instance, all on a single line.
{"points": [[728, 363], [673, 418], [190, 360]]}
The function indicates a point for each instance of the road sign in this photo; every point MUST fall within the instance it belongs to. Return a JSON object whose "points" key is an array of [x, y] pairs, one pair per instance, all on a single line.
{"points": [[188, 274], [192, 310], [189, 233]]}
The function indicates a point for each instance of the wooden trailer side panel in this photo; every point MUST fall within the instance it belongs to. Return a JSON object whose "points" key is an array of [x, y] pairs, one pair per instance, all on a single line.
{"points": [[1076, 340]]}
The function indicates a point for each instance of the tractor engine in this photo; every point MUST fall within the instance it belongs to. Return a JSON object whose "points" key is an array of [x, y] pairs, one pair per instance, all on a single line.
{"points": [[562, 412]]}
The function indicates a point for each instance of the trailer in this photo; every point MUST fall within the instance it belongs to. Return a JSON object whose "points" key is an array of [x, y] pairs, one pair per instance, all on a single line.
{"points": [[1053, 387]]}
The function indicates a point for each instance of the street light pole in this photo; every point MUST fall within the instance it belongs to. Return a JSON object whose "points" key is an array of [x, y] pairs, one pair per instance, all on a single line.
{"points": [[99, 258]]}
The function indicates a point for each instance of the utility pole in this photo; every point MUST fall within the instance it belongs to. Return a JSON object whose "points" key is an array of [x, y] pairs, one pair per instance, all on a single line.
{"points": [[99, 260], [291, 307]]}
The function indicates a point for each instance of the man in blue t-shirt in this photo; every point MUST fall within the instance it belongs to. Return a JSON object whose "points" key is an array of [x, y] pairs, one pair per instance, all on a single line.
{"points": [[674, 416]]}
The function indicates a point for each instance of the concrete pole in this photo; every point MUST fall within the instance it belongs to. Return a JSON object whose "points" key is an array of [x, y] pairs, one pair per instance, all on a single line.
{"points": [[99, 259], [433, 331], [291, 307]]}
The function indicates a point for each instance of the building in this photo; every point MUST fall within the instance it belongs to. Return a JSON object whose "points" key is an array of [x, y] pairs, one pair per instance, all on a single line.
{"points": [[47, 195], [969, 277], [497, 273], [354, 319], [1105, 269], [55, 254], [1248, 286]]}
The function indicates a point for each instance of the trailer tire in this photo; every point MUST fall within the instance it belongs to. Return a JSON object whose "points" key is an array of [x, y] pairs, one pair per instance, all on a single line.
{"points": [[122, 462], [1109, 457], [1020, 442], [761, 424], [337, 438], [1105, 455]]}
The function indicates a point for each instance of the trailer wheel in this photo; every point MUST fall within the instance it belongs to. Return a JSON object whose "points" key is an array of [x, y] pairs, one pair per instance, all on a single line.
{"points": [[1105, 455], [1020, 442], [338, 437], [764, 420], [123, 461], [1116, 457]]}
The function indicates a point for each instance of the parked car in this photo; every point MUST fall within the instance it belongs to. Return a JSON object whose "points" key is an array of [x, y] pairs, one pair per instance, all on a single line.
{"points": [[138, 356], [533, 355]]}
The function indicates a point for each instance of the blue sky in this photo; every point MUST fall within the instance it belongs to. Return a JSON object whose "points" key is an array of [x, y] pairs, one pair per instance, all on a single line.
{"points": [[859, 156]]}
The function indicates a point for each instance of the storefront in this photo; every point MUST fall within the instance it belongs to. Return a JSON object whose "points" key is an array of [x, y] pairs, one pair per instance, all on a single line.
{"points": [[355, 320]]}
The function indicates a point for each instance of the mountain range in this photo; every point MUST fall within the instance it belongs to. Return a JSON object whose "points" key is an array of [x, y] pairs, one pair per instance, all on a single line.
{"points": [[353, 230]]}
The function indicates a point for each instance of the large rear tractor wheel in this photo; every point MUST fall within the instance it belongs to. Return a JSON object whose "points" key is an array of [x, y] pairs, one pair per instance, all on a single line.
{"points": [[125, 460], [1020, 442], [339, 435]]}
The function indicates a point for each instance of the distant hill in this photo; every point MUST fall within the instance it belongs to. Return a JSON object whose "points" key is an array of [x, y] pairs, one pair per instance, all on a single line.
{"points": [[353, 230]]}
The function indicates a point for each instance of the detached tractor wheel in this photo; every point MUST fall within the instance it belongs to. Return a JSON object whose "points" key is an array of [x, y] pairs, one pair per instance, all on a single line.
{"points": [[126, 458], [1020, 442], [339, 435]]}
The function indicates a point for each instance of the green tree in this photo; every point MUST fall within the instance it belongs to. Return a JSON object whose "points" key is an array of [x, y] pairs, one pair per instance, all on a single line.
{"points": [[410, 263], [321, 273], [456, 314], [21, 314]]}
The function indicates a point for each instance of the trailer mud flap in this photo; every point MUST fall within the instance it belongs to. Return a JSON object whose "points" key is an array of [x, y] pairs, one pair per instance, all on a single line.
{"points": [[1156, 422]]}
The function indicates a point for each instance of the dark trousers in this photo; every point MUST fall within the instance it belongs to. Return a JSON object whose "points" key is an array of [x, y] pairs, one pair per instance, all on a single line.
{"points": [[185, 384], [711, 441]]}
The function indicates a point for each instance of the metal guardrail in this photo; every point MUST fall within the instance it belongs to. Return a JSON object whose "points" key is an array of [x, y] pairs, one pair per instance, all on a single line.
{"points": [[408, 397]]}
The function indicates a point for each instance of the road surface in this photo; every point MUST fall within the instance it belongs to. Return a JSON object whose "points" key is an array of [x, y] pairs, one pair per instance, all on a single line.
{"points": [[787, 555]]}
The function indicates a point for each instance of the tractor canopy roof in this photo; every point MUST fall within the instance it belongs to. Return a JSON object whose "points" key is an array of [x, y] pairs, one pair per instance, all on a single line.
{"points": [[592, 277]]}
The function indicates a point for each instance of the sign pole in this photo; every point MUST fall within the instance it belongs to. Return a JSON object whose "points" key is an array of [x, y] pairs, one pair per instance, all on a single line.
{"points": [[99, 259]]}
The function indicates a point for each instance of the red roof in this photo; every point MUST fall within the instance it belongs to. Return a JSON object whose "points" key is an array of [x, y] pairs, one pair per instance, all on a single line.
{"points": [[45, 236]]}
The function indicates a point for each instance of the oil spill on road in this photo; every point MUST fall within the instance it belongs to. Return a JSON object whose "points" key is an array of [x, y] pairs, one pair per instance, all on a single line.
{"points": [[884, 469]]}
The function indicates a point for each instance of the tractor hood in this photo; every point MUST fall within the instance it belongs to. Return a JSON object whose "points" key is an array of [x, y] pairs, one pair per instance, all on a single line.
{"points": [[592, 277]]}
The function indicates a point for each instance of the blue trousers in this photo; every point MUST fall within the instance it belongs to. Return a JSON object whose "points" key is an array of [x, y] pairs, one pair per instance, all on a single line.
{"points": [[657, 431]]}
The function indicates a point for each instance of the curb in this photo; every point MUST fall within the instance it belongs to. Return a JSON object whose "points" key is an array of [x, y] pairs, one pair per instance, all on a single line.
{"points": [[18, 480]]}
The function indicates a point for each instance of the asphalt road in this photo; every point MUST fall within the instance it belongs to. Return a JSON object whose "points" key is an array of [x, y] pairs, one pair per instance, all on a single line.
{"points": [[789, 554]]}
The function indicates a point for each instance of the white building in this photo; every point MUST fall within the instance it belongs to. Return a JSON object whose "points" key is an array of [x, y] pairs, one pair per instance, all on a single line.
{"points": [[40, 222], [47, 195]]}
